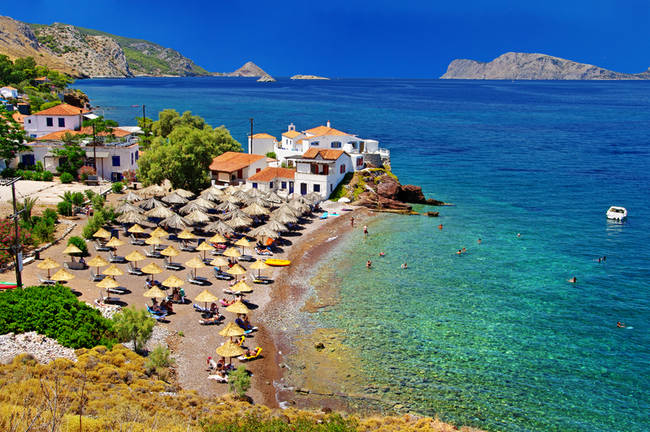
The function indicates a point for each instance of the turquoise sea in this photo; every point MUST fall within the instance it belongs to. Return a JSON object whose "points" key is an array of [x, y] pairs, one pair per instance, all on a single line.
{"points": [[496, 338]]}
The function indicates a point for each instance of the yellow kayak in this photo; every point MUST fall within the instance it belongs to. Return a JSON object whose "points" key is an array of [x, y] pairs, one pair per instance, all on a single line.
{"points": [[277, 262]]}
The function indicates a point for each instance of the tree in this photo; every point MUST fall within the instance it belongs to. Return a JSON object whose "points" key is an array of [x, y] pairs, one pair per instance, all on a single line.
{"points": [[12, 137], [169, 119], [135, 325], [239, 381], [71, 158], [184, 155]]}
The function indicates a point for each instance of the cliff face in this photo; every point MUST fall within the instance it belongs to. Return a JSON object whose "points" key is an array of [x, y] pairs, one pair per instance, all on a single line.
{"points": [[525, 66], [90, 53]]}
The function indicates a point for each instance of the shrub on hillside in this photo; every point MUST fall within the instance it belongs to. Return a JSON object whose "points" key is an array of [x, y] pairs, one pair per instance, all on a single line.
{"points": [[117, 187], [66, 177], [304, 423], [95, 222], [80, 243], [134, 325], [55, 312]]}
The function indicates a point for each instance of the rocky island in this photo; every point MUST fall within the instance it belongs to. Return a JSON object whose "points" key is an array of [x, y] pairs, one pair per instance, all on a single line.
{"points": [[308, 77], [526, 66]]}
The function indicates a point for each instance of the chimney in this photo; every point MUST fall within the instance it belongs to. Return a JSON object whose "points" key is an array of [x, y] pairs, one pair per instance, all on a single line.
{"points": [[328, 123], [292, 127]]}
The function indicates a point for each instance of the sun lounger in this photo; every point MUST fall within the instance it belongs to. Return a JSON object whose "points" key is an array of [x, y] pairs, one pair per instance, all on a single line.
{"points": [[212, 320], [256, 354], [218, 378], [134, 270], [263, 252], [188, 248], [99, 247], [174, 266], [75, 265], [246, 258], [116, 258], [96, 277], [136, 241], [109, 299], [260, 279], [200, 308], [156, 315], [154, 254], [45, 281], [221, 275], [197, 280], [117, 290]]}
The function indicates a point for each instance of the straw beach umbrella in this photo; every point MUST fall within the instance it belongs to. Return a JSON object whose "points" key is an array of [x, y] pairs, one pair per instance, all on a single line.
{"points": [[195, 263], [132, 217], [48, 264], [152, 269], [206, 297], [170, 252], [241, 287], [174, 199], [159, 213], [134, 256], [153, 190], [255, 209], [173, 282], [98, 262], [153, 241], [198, 217], [238, 307], [184, 193], [202, 202], [219, 227], [236, 270], [239, 222], [231, 330], [212, 194], [151, 203], [227, 206], [128, 207], [244, 243], [263, 232], [132, 197], [259, 265], [102, 233], [155, 292], [62, 276], [159, 232], [217, 238], [284, 217], [276, 225], [186, 235], [136, 229], [274, 198], [108, 283], [219, 262], [204, 247], [190, 207], [230, 349], [114, 242], [72, 250], [174, 222], [231, 252], [113, 270]]}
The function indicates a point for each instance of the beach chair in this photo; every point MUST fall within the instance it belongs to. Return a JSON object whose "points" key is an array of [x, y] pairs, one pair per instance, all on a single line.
{"points": [[221, 275], [199, 308], [96, 277], [116, 258], [99, 247], [174, 266], [246, 258], [260, 279], [256, 354], [117, 290], [134, 270], [135, 241], [188, 248], [158, 316], [46, 281], [197, 280]]}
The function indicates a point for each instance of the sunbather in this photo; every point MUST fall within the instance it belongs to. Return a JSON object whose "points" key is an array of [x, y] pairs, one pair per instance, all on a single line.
{"points": [[214, 309], [212, 320], [225, 302], [244, 324]]}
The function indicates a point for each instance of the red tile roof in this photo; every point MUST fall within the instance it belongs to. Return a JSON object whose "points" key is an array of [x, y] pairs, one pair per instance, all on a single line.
{"points": [[20, 118], [270, 173], [263, 135], [9, 87], [291, 134], [233, 161], [327, 154], [62, 110], [324, 130], [56, 136]]}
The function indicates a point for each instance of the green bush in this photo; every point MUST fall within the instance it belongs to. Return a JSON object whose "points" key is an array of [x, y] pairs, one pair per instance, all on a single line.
{"points": [[55, 312], [134, 325], [94, 223], [239, 381], [77, 198], [66, 177], [80, 243], [253, 423], [47, 176], [117, 187], [39, 166], [89, 194], [158, 361], [64, 208], [8, 172], [97, 202], [42, 231], [50, 215]]}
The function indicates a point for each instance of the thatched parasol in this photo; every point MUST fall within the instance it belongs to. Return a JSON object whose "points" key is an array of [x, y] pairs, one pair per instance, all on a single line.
{"points": [[299, 206], [114, 242], [231, 330], [158, 232], [72, 250], [132, 217], [219, 262], [170, 251], [263, 232], [127, 207], [160, 213], [102, 233], [153, 190], [236, 270], [198, 217], [202, 202], [152, 269], [205, 247], [134, 256], [155, 292], [218, 227], [243, 243], [217, 238], [259, 265], [283, 217], [238, 307], [153, 241], [276, 225], [195, 263], [174, 199], [255, 210], [151, 203], [132, 197], [239, 222], [241, 287], [212, 194], [186, 235], [230, 349], [173, 282], [62, 276], [108, 283], [184, 193], [174, 222], [190, 207], [231, 252], [274, 198], [98, 262], [286, 208], [227, 206], [113, 270], [136, 229], [206, 297], [314, 197]]}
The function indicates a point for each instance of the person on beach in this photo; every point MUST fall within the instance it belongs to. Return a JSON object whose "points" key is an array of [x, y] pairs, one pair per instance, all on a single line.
{"points": [[369, 264], [365, 230], [352, 221], [573, 280]]}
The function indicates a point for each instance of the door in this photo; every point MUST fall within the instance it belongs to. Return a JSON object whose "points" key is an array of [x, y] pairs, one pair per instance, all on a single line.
{"points": [[303, 188], [290, 187]]}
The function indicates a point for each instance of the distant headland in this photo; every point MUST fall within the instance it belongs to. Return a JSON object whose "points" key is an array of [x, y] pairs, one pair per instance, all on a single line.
{"points": [[527, 66]]}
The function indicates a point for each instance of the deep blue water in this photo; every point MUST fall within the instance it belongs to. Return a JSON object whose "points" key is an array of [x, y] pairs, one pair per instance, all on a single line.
{"points": [[496, 338]]}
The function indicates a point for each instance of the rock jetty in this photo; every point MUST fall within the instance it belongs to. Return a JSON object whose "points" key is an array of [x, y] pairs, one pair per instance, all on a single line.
{"points": [[527, 66]]}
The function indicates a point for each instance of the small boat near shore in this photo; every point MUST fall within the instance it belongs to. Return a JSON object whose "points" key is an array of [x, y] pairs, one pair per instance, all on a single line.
{"points": [[617, 213], [277, 262]]}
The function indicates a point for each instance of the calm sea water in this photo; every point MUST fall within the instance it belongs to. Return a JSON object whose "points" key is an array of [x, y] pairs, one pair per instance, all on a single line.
{"points": [[495, 338]]}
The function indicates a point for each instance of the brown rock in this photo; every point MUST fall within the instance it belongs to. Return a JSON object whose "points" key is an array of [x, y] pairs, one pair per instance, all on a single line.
{"points": [[388, 189]]}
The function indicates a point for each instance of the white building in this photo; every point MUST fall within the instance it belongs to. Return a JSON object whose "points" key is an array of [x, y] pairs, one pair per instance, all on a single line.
{"points": [[9, 92], [58, 118], [326, 137], [115, 153], [320, 170], [234, 168], [261, 143], [279, 180]]}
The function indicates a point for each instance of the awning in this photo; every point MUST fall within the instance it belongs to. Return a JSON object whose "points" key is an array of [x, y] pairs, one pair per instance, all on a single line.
{"points": [[91, 116], [98, 154]]}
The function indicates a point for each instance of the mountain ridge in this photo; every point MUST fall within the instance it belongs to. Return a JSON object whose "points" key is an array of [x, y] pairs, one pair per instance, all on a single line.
{"points": [[533, 66]]}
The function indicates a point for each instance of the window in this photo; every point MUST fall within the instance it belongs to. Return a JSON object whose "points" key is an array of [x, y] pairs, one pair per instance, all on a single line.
{"points": [[336, 144], [283, 185], [254, 185], [49, 121], [315, 143], [137, 155], [271, 185], [28, 159], [116, 161], [342, 169], [360, 161], [131, 158], [258, 170], [61, 121], [29, 121], [316, 188]]}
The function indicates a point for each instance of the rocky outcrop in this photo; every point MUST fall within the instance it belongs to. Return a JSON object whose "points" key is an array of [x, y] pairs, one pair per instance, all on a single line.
{"points": [[83, 52], [76, 98], [525, 66], [308, 77], [249, 69], [266, 78], [38, 346]]}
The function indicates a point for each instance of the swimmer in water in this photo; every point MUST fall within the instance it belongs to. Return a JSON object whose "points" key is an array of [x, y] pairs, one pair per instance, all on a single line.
{"points": [[381, 254], [479, 241], [459, 252], [573, 279], [440, 226], [369, 264], [464, 250], [405, 266], [620, 325], [518, 234]]}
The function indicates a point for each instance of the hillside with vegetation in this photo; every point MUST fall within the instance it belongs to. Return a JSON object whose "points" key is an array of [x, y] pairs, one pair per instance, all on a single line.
{"points": [[87, 53]]}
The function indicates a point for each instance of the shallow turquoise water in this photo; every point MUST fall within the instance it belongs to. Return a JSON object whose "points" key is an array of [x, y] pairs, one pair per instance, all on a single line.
{"points": [[496, 338]]}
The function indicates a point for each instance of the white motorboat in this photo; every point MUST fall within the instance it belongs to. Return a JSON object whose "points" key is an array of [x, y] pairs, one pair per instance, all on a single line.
{"points": [[616, 213]]}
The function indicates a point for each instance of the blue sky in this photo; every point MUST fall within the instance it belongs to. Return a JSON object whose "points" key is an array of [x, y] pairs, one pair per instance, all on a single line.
{"points": [[377, 38]]}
